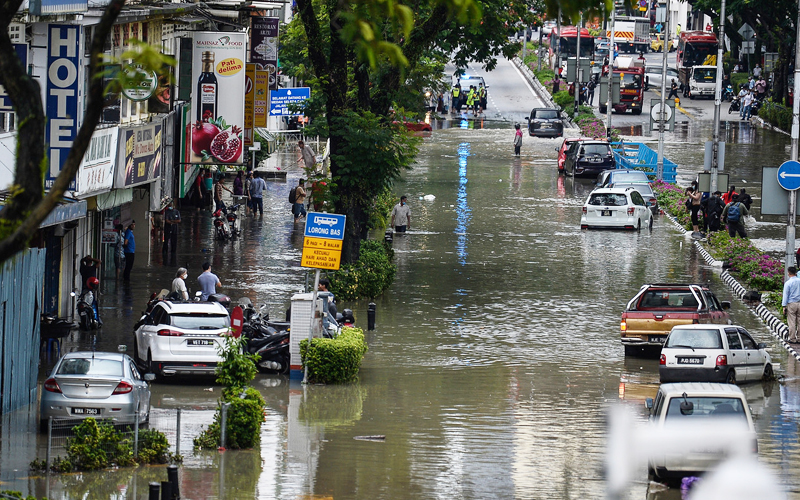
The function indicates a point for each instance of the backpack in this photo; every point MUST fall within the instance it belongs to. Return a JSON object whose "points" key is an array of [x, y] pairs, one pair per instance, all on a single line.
{"points": [[293, 195], [734, 212]]}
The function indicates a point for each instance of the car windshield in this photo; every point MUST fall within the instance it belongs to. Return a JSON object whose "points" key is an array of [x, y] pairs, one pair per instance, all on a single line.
{"points": [[195, 321], [594, 149], [545, 114], [696, 339], [608, 199], [89, 366], [628, 177], [668, 299], [704, 407], [631, 81], [642, 188]]}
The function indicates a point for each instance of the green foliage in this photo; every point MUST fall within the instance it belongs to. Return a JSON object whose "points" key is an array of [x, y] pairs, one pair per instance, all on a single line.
{"points": [[243, 422], [379, 216], [776, 114], [773, 300], [97, 446], [154, 448], [238, 367], [672, 199], [369, 277], [17, 494], [563, 99], [337, 360], [133, 67], [737, 80], [757, 270]]}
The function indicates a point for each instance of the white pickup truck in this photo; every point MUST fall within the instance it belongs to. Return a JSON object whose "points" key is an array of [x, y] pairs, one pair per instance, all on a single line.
{"points": [[702, 81]]}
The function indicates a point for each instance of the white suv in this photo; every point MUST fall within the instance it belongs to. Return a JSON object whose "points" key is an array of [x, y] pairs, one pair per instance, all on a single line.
{"points": [[713, 353], [180, 338], [622, 208]]}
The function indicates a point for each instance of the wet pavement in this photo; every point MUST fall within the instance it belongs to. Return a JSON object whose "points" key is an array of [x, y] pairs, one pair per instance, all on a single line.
{"points": [[495, 355]]}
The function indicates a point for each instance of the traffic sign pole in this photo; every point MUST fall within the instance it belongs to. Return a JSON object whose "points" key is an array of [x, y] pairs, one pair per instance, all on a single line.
{"points": [[718, 102], [790, 216], [661, 124]]}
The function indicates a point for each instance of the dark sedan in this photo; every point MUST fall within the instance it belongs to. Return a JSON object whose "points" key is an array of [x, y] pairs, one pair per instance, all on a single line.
{"points": [[545, 122], [589, 158]]}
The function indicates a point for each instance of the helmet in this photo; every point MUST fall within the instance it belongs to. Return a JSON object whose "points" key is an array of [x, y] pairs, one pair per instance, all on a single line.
{"points": [[92, 283]]}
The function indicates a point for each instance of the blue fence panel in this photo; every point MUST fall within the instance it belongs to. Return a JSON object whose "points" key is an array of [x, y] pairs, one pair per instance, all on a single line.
{"points": [[638, 155], [21, 279]]}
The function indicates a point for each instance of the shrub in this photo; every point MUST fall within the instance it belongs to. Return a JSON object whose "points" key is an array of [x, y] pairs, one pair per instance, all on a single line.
{"points": [[238, 367], [776, 114], [369, 277], [758, 270], [672, 198], [563, 99], [337, 360], [97, 446], [17, 494], [379, 216]]}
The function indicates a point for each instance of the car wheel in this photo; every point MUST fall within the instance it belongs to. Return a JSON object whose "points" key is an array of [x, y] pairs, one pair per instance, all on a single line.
{"points": [[650, 226], [768, 373], [638, 225], [136, 359], [731, 378], [602, 108], [151, 366]]}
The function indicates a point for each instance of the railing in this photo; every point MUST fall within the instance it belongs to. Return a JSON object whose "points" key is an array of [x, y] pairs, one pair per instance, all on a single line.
{"points": [[638, 156]]}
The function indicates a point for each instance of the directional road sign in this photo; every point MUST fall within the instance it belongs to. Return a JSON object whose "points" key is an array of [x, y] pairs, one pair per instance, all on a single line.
{"points": [[322, 245], [655, 112], [789, 175], [279, 100], [747, 31]]}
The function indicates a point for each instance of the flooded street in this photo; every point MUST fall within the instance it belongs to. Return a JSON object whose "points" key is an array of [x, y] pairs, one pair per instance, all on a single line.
{"points": [[495, 355]]}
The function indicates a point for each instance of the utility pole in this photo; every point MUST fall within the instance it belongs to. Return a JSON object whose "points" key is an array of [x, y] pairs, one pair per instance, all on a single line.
{"points": [[609, 102], [662, 113], [795, 136], [557, 63], [524, 42], [718, 102], [539, 50], [578, 69]]}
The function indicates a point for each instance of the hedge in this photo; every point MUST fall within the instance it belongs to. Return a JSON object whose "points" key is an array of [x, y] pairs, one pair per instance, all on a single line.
{"points": [[336, 360]]}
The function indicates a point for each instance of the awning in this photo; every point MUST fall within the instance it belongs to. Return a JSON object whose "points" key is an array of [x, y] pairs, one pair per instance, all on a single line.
{"points": [[70, 210]]}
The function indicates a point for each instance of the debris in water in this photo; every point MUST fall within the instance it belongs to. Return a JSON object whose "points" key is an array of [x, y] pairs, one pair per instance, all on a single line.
{"points": [[429, 197], [379, 437], [209, 389]]}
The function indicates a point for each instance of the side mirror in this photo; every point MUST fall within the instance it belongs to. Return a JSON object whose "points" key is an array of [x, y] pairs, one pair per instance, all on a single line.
{"points": [[149, 377], [726, 304], [762, 345], [648, 403]]}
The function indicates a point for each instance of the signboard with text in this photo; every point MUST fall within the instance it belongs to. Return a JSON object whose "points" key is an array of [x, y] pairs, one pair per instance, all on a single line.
{"points": [[22, 52], [322, 245], [140, 154], [249, 102], [61, 100], [281, 99], [96, 173], [264, 47]]}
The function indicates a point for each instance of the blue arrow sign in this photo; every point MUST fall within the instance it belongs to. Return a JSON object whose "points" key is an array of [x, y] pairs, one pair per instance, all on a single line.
{"points": [[279, 100], [789, 175], [329, 226]]}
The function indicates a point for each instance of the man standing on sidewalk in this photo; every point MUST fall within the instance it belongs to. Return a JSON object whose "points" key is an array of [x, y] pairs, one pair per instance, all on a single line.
{"points": [[130, 251], [791, 305], [172, 218]]}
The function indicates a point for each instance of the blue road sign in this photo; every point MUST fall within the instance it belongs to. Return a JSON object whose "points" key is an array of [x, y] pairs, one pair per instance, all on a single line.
{"points": [[329, 226], [789, 175], [279, 100]]}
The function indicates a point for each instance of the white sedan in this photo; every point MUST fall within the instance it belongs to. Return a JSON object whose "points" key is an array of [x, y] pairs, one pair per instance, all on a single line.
{"points": [[622, 208]]}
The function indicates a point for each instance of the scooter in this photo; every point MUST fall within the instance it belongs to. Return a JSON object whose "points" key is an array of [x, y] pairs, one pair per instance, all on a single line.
{"points": [[736, 105], [268, 342], [221, 230], [233, 221], [727, 93], [87, 311]]}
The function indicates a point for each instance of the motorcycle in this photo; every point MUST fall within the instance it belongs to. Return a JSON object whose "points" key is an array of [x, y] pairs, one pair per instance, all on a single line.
{"points": [[233, 221], [87, 311], [727, 93], [736, 105], [226, 223], [268, 342]]}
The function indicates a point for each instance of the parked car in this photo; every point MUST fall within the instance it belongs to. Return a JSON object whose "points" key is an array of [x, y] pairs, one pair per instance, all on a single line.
{"points": [[713, 353], [652, 313], [699, 408], [588, 158], [616, 208], [645, 190], [102, 385], [652, 77], [562, 150], [608, 178], [180, 338], [545, 122]]}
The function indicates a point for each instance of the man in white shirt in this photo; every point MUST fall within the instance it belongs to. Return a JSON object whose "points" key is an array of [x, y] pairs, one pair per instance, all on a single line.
{"points": [[742, 93], [401, 216], [747, 103]]}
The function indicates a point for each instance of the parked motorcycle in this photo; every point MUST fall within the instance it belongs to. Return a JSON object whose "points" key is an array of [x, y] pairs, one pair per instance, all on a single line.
{"points": [[89, 319], [270, 343], [226, 223], [727, 93], [736, 105], [234, 227]]}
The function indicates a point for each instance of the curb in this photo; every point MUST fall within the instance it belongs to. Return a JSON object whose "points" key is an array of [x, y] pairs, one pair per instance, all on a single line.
{"points": [[542, 92]]}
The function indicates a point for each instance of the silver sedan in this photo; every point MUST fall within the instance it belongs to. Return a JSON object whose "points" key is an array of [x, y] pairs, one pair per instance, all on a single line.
{"points": [[103, 385]]}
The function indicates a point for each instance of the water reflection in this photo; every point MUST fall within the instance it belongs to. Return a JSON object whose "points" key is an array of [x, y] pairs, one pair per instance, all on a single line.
{"points": [[463, 212]]}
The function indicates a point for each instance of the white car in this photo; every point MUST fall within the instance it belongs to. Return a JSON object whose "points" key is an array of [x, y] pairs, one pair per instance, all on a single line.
{"points": [[621, 208], [180, 338], [699, 425], [713, 353]]}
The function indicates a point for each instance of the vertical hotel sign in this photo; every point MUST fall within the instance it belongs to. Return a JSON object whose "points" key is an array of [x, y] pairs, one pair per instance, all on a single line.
{"points": [[62, 96], [218, 70], [264, 47]]}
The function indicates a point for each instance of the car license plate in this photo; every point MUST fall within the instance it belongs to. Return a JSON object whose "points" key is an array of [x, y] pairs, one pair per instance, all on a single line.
{"points": [[605, 213], [660, 340], [595, 159], [86, 411], [689, 361], [546, 125], [199, 342]]}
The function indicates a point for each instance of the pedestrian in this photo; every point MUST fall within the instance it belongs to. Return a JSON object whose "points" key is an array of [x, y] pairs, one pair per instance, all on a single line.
{"points": [[673, 92], [708, 26], [257, 187], [556, 84], [761, 88], [401, 216], [745, 198], [208, 282], [732, 214], [179, 284], [747, 104], [197, 191], [238, 184], [791, 305], [693, 203], [714, 208], [324, 286], [218, 187], [208, 187], [119, 249], [298, 210], [517, 139], [590, 91], [130, 251], [307, 156], [247, 181], [757, 71], [172, 219], [728, 196], [456, 93], [678, 31], [88, 269], [751, 83], [482, 97]]}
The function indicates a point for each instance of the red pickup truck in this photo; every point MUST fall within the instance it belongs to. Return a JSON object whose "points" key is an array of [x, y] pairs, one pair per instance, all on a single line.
{"points": [[651, 314]]}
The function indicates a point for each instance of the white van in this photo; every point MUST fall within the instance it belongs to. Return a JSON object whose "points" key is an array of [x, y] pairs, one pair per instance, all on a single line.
{"points": [[702, 81]]}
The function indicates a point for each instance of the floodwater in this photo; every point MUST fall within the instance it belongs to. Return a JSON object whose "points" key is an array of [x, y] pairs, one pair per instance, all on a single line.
{"points": [[495, 357]]}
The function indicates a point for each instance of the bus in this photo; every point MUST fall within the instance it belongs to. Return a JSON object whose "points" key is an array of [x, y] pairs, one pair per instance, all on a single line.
{"points": [[568, 43], [695, 48]]}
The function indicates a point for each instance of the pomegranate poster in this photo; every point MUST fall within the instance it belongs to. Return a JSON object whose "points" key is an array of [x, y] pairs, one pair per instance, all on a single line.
{"points": [[218, 73]]}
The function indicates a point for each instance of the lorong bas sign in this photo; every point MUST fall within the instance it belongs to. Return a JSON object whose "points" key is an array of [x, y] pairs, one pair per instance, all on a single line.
{"points": [[322, 245]]}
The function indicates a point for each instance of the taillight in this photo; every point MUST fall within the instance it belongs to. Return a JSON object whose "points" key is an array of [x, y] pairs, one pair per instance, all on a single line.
{"points": [[170, 333], [695, 321], [630, 211], [653, 201], [663, 360], [50, 385], [123, 388], [623, 326], [583, 210], [722, 360]]}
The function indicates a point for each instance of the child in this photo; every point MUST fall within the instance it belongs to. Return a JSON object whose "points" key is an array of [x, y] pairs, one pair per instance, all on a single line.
{"points": [[517, 139]]}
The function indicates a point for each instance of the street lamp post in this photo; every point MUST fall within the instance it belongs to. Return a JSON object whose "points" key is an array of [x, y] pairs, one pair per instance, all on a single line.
{"points": [[609, 102], [718, 101], [662, 111], [578, 69], [790, 216]]}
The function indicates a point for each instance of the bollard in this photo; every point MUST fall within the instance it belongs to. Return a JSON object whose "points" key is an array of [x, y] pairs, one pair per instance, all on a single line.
{"points": [[136, 433], [388, 237], [154, 491], [172, 476], [223, 426], [49, 442], [166, 490], [178, 434], [371, 316]]}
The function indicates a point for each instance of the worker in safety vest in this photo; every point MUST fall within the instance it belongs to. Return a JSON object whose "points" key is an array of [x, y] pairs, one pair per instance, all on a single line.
{"points": [[456, 98], [471, 98], [482, 97]]}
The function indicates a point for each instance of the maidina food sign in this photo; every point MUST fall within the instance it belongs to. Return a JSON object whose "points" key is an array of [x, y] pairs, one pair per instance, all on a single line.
{"points": [[217, 115]]}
